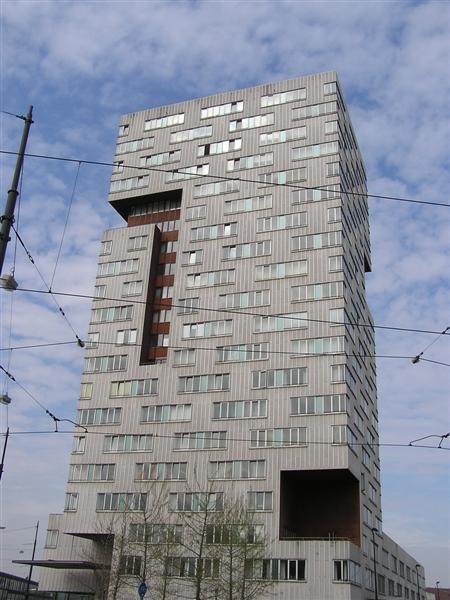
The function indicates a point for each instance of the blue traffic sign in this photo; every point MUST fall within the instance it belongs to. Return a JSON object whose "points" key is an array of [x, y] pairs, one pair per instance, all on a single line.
{"points": [[142, 589]]}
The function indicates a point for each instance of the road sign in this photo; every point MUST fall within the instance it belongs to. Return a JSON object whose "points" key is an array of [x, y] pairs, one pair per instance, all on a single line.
{"points": [[142, 589]]}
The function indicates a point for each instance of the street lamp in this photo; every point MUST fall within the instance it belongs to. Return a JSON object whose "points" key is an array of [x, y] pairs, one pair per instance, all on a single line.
{"points": [[374, 529], [437, 589], [418, 587], [30, 572]]}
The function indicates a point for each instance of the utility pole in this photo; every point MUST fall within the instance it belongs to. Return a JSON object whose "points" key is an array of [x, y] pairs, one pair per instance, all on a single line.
{"points": [[7, 218], [2, 464], [30, 572]]}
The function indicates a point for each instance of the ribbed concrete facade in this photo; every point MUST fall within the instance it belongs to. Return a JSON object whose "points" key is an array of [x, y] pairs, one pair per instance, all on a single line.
{"points": [[231, 331]]}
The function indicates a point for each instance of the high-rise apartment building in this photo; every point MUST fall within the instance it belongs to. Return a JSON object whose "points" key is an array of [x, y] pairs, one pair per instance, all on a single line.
{"points": [[231, 355]]}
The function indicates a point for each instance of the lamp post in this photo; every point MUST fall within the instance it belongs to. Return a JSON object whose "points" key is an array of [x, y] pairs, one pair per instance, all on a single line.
{"points": [[30, 572], [374, 529], [437, 590], [418, 587]]}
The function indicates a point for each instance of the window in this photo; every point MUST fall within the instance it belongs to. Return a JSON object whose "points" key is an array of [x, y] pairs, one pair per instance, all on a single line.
{"points": [[245, 299], [170, 471], [86, 391], [155, 533], [200, 440], [285, 135], [329, 192], [338, 434], [283, 97], [281, 270], [237, 469], [346, 570], [162, 413], [334, 214], [71, 502], [196, 212], [210, 278], [207, 329], [117, 168], [92, 472], [317, 405], [132, 288], [328, 345], [337, 373], [195, 502], [216, 188], [283, 177], [51, 540], [104, 364], [118, 267], [222, 109], [335, 264], [135, 145], [105, 247], [249, 250], [155, 207], [137, 242], [79, 444], [279, 569], [99, 292], [220, 147], [238, 534], [177, 119], [124, 129], [329, 88], [316, 241], [277, 438], [193, 257], [331, 127], [240, 409], [190, 134], [279, 378], [99, 416], [160, 159], [111, 314], [250, 122], [258, 501], [280, 323], [130, 565], [314, 110], [165, 269], [134, 387], [281, 222], [123, 185], [186, 356], [128, 443], [242, 352], [122, 501], [250, 162], [190, 567], [126, 336], [166, 291], [203, 383], [187, 306], [317, 291], [187, 173], [248, 204], [212, 232], [332, 169], [315, 150]]}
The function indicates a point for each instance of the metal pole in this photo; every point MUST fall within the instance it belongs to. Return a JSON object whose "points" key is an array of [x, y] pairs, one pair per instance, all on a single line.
{"points": [[7, 218], [2, 464], [437, 589], [418, 587], [30, 572], [375, 562]]}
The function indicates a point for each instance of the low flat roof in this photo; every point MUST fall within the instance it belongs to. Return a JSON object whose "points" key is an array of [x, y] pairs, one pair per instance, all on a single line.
{"points": [[62, 564]]}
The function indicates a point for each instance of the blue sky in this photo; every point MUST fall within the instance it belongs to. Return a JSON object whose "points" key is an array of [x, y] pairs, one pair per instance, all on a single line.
{"points": [[83, 64]]}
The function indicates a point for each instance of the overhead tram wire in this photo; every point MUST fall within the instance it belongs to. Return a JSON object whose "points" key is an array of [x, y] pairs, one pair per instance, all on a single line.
{"points": [[226, 178], [248, 440], [233, 311], [48, 291], [36, 401], [418, 357]]}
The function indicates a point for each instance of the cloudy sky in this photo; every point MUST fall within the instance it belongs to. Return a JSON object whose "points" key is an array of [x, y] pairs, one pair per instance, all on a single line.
{"points": [[83, 64]]}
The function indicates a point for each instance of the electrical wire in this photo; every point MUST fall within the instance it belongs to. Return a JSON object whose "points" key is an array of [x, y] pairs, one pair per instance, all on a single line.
{"points": [[418, 357], [36, 401], [65, 226], [231, 311], [411, 444], [223, 177], [6, 112], [48, 291]]}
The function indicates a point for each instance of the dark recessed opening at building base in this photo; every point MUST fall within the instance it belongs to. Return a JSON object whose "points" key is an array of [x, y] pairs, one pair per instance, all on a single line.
{"points": [[319, 504]]}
